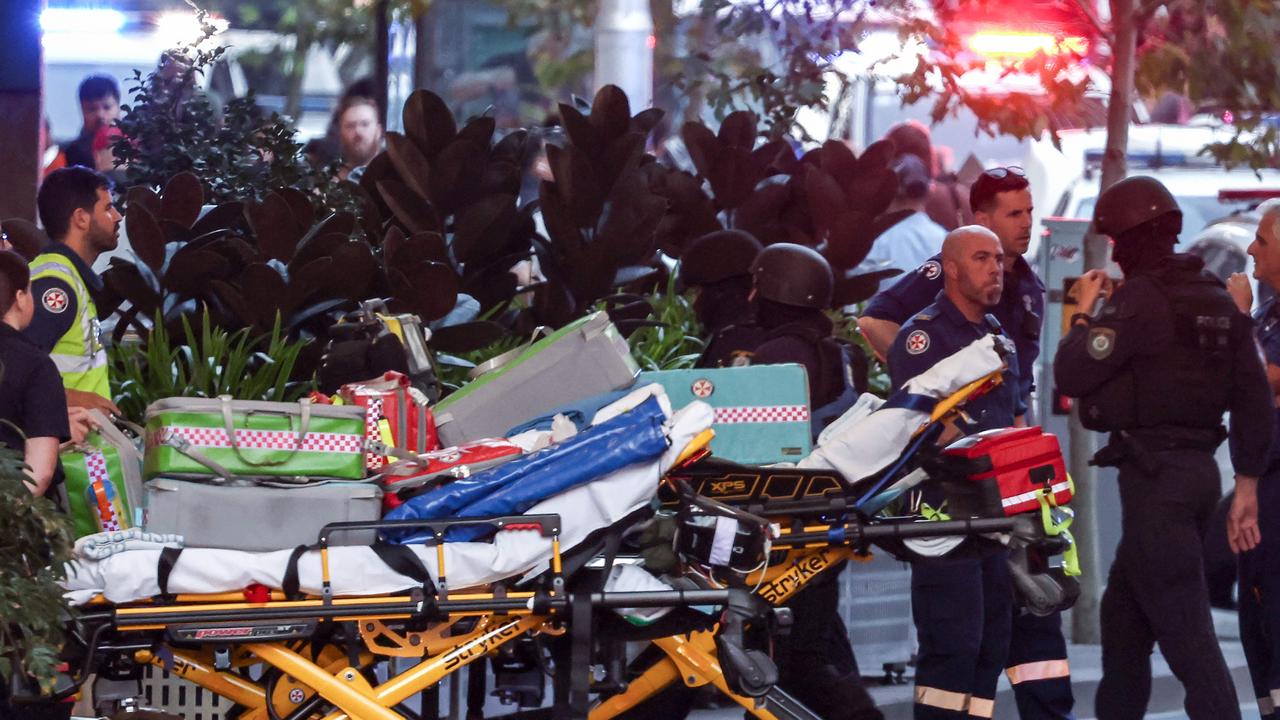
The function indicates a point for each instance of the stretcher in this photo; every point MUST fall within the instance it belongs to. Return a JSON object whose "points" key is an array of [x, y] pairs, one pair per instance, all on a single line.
{"points": [[299, 633]]}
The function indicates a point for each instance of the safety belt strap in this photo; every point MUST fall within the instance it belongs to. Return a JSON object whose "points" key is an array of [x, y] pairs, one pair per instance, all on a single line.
{"points": [[291, 582], [403, 560], [168, 558]]}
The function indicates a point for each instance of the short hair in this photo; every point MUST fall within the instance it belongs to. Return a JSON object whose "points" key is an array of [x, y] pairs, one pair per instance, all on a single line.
{"points": [[983, 192], [63, 192], [15, 275], [351, 101], [911, 137], [96, 87], [1270, 207]]}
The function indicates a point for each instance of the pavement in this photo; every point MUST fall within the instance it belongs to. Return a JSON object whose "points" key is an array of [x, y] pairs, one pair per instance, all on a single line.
{"points": [[895, 701]]}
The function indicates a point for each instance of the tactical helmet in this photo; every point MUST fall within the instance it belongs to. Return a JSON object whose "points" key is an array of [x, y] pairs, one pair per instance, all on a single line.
{"points": [[793, 274], [718, 256], [1132, 202]]}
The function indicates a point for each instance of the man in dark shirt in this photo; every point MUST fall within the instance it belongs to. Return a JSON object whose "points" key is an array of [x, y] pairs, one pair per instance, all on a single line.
{"points": [[1157, 367], [99, 106], [963, 606], [31, 396]]}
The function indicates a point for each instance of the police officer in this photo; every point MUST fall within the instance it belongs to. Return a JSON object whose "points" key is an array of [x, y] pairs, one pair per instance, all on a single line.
{"points": [[1001, 200], [791, 286], [77, 213], [962, 607], [1260, 567], [718, 266], [1157, 366]]}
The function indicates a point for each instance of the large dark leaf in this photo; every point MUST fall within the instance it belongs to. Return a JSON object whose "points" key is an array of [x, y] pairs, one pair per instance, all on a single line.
{"points": [[873, 191], [353, 269], [266, 293], [145, 236], [884, 221], [739, 130], [767, 157], [274, 227], [702, 145], [849, 240], [624, 152], [734, 178], [429, 290], [501, 176], [183, 196], [856, 289], [483, 227], [125, 279], [409, 208], [580, 130], [466, 337], [221, 217], [479, 131], [304, 213], [309, 279], [839, 162], [762, 213], [512, 147], [610, 113], [175, 232], [633, 273], [456, 178], [577, 183], [419, 248], [410, 163], [877, 156], [235, 303], [143, 195], [190, 270], [826, 200], [26, 238], [566, 239], [428, 122], [318, 247], [646, 120], [490, 286], [339, 223]]}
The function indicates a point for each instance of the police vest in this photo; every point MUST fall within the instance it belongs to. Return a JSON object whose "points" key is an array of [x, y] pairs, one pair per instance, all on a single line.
{"points": [[79, 354], [1186, 383]]}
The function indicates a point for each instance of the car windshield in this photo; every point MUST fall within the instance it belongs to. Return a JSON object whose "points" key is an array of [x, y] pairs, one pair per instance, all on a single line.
{"points": [[1198, 212]]}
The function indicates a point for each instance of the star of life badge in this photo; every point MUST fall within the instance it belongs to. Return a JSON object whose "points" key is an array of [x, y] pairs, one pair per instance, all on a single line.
{"points": [[931, 269], [55, 300], [917, 342]]}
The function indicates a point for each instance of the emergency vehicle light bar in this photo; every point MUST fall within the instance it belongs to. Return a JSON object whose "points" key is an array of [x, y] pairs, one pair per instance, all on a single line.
{"points": [[1228, 195], [1013, 43]]}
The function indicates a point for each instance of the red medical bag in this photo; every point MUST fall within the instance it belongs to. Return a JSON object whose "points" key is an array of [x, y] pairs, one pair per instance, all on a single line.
{"points": [[405, 479], [1004, 469], [390, 403]]}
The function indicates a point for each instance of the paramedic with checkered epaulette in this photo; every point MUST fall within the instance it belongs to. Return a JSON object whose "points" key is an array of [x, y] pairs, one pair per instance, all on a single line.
{"points": [[77, 213], [962, 607]]}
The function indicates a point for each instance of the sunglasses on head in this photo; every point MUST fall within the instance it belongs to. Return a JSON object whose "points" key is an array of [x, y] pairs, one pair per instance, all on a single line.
{"points": [[1000, 173]]}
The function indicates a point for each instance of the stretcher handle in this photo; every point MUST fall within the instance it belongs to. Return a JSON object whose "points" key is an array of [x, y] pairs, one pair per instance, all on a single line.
{"points": [[548, 525]]}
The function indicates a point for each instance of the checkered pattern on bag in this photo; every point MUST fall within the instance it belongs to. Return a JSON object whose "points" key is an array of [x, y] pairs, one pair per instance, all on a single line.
{"points": [[266, 439], [95, 464], [761, 414], [372, 416]]}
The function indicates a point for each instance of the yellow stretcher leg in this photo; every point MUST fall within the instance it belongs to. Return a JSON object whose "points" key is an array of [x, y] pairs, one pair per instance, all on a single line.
{"points": [[341, 690]]}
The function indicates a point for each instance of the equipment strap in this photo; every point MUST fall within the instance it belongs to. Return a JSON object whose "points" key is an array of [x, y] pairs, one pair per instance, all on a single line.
{"points": [[164, 567], [290, 584], [403, 560]]}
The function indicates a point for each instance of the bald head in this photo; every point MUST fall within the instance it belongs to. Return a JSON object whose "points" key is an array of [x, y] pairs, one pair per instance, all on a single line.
{"points": [[973, 268]]}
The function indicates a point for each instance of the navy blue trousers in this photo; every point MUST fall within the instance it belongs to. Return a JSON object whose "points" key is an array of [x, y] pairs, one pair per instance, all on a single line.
{"points": [[1260, 599]]}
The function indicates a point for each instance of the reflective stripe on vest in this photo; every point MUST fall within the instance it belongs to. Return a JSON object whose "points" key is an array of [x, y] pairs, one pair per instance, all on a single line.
{"points": [[1041, 670], [981, 707], [942, 699], [1266, 706], [78, 354]]}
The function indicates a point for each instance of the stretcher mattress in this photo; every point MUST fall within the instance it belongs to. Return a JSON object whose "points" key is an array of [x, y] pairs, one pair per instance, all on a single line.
{"points": [[357, 571]]}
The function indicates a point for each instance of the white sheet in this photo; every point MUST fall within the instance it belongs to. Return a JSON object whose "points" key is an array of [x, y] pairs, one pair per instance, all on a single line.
{"points": [[131, 575], [866, 439]]}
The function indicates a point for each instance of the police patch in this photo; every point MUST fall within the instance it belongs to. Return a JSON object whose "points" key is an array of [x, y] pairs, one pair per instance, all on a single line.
{"points": [[917, 342], [54, 300], [931, 269], [1101, 342]]}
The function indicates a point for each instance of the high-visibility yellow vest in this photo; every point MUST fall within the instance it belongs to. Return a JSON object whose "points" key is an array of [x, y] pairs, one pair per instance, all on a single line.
{"points": [[79, 354]]}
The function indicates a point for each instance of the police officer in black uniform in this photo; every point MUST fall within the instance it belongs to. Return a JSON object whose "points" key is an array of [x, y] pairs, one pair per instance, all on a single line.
{"points": [[718, 266], [791, 286], [1157, 366]]}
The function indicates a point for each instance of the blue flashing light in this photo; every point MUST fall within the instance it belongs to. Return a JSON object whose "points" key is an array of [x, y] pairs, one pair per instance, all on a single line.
{"points": [[1151, 160], [81, 20]]}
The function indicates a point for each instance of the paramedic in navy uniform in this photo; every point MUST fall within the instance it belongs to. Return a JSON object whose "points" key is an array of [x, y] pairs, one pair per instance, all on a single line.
{"points": [[1001, 202], [1157, 367], [963, 608]]}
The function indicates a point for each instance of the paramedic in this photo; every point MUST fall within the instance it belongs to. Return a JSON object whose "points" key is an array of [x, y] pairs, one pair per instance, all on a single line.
{"points": [[963, 607], [31, 397], [77, 213], [1157, 366], [1001, 202], [1260, 567], [791, 287], [718, 266]]}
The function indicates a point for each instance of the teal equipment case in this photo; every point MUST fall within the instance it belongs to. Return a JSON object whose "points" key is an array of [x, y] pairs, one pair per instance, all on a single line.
{"points": [[762, 411]]}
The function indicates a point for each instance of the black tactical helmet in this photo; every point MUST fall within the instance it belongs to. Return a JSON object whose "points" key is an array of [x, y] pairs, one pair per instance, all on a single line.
{"points": [[793, 274], [1132, 202], [718, 256]]}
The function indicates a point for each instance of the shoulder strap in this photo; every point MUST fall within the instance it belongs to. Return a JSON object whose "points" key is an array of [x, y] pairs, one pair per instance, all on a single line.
{"points": [[164, 568], [290, 584], [403, 560]]}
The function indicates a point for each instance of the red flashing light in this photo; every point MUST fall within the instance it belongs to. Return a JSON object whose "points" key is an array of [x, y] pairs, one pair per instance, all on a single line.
{"points": [[1020, 44], [651, 41]]}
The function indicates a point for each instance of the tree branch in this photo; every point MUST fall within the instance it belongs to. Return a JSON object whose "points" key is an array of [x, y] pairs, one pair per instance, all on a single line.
{"points": [[1087, 8]]}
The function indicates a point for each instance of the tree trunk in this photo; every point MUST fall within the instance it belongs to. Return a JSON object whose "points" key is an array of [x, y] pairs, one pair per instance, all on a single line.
{"points": [[298, 70], [1085, 625]]}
